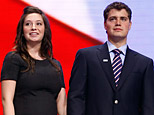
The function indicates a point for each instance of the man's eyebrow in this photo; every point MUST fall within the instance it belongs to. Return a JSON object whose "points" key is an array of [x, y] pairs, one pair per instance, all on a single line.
{"points": [[112, 17]]}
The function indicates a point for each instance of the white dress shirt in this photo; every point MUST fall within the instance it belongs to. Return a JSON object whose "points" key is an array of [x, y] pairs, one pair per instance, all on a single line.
{"points": [[122, 49]]}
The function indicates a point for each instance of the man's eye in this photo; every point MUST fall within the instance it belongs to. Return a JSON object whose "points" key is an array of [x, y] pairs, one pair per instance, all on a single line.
{"points": [[124, 19], [112, 19]]}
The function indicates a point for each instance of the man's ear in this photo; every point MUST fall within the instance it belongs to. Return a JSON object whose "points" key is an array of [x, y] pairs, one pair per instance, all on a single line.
{"points": [[130, 25], [105, 27]]}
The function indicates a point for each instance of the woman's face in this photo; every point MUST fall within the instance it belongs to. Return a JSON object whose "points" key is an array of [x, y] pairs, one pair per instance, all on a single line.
{"points": [[33, 28]]}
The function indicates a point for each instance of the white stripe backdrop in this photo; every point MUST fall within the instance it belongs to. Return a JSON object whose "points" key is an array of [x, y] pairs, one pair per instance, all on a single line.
{"points": [[86, 16]]}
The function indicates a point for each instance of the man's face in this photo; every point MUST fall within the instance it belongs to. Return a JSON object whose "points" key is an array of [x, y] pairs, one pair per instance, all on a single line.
{"points": [[117, 25]]}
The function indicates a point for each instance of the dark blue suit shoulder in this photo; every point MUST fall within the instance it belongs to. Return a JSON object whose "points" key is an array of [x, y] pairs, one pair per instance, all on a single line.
{"points": [[89, 49], [140, 56]]}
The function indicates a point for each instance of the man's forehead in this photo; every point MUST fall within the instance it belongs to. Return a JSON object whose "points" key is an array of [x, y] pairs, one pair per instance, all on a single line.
{"points": [[118, 13]]}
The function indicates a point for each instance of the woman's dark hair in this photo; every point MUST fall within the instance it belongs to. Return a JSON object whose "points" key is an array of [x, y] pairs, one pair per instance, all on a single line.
{"points": [[20, 41], [117, 6]]}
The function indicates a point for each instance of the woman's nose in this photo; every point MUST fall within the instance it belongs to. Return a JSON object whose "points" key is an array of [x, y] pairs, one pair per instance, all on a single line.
{"points": [[33, 27]]}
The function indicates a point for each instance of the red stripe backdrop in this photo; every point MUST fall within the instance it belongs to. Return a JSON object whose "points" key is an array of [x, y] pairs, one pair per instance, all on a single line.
{"points": [[66, 40]]}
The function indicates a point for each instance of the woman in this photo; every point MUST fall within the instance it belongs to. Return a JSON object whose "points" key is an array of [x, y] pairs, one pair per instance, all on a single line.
{"points": [[32, 80]]}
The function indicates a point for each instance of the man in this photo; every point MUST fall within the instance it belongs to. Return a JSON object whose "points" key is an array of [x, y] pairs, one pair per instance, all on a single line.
{"points": [[111, 79]]}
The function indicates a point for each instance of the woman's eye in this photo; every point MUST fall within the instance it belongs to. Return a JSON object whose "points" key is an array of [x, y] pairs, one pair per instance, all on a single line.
{"points": [[39, 23], [27, 24]]}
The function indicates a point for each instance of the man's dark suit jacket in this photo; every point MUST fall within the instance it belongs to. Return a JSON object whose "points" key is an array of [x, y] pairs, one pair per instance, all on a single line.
{"points": [[93, 91]]}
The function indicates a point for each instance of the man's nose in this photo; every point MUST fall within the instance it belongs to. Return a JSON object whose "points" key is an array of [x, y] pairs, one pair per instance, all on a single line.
{"points": [[118, 22]]}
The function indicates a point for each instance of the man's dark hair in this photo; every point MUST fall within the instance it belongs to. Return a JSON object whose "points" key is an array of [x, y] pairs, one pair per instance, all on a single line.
{"points": [[117, 6]]}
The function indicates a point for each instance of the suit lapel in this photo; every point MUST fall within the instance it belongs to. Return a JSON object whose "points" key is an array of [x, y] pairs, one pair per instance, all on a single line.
{"points": [[127, 67], [104, 58]]}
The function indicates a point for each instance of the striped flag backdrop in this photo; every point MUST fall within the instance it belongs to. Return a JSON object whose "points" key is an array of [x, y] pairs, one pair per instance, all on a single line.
{"points": [[77, 24]]}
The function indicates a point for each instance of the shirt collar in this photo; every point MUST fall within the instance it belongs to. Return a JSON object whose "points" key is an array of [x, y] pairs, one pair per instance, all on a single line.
{"points": [[112, 47]]}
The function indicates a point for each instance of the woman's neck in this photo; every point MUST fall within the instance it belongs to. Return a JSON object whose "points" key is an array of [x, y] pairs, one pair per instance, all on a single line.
{"points": [[34, 51]]}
